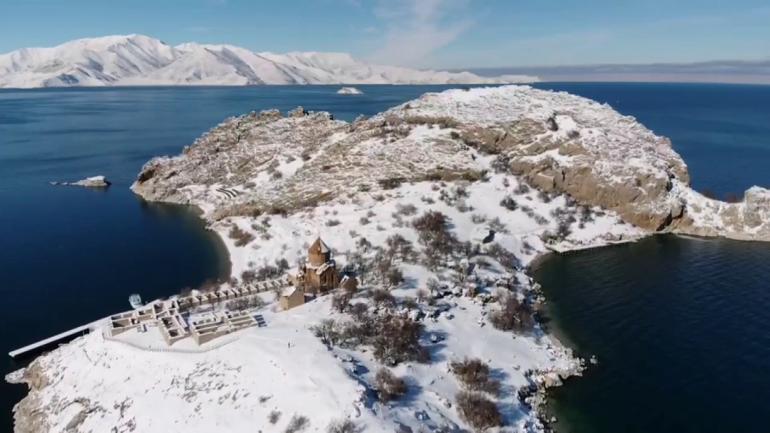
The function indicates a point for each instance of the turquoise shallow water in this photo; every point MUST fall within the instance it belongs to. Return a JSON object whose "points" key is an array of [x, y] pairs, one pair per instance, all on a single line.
{"points": [[69, 255]]}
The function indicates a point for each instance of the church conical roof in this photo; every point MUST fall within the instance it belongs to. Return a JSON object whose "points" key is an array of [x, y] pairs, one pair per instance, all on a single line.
{"points": [[319, 247]]}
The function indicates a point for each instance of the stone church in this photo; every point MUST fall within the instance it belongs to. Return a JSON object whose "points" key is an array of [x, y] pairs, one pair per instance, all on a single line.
{"points": [[319, 273]]}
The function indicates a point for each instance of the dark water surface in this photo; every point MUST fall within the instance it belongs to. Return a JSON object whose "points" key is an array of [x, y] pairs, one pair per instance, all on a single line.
{"points": [[680, 327], [70, 255]]}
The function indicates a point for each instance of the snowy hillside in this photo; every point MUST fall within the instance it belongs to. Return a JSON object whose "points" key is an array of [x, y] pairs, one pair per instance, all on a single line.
{"points": [[141, 60], [438, 206]]}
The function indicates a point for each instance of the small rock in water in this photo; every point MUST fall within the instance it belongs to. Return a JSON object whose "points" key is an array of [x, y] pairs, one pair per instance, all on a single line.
{"points": [[349, 91], [89, 182], [594, 360]]}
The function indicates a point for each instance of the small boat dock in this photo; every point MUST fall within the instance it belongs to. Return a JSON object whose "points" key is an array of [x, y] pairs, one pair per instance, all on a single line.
{"points": [[64, 337]]}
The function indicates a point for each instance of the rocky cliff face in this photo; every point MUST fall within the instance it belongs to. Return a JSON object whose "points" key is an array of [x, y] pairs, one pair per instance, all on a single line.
{"points": [[555, 141]]}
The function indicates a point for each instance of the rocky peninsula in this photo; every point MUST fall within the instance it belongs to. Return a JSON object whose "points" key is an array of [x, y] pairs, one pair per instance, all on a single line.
{"points": [[439, 205]]}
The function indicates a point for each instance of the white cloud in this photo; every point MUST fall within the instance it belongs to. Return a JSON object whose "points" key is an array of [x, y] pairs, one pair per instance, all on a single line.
{"points": [[415, 29]]}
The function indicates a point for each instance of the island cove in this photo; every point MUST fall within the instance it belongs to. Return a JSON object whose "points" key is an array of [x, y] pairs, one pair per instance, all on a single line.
{"points": [[456, 192]]}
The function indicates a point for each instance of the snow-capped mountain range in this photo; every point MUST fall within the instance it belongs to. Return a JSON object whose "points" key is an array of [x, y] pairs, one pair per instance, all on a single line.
{"points": [[133, 60]]}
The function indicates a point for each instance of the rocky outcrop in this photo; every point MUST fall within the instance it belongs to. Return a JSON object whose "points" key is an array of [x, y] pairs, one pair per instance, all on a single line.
{"points": [[349, 91], [745, 220], [89, 182], [27, 414], [557, 142]]}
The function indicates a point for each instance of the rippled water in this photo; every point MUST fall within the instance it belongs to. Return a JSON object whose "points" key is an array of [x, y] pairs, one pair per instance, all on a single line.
{"points": [[680, 327]]}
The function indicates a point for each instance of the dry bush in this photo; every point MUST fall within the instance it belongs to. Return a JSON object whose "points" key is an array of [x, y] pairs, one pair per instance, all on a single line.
{"points": [[509, 203], [389, 386], [395, 277], [503, 256], [478, 411], [397, 339], [522, 188], [297, 423], [382, 297], [343, 426], [241, 237], [399, 247], [406, 209], [391, 183], [394, 339], [332, 223], [433, 230], [442, 121], [409, 303], [422, 295], [248, 276], [474, 375], [513, 314], [274, 416], [341, 300]]}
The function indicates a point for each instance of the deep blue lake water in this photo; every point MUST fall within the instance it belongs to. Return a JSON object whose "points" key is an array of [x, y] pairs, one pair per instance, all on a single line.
{"points": [[70, 255]]}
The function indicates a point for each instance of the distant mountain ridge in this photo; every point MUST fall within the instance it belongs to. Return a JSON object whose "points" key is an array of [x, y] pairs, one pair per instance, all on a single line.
{"points": [[131, 60]]}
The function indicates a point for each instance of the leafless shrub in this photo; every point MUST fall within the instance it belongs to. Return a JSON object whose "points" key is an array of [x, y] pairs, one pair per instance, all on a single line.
{"points": [[422, 295], [478, 411], [395, 277], [513, 314], [391, 183], [296, 424], [406, 209], [241, 237], [399, 247], [274, 416], [444, 122], [364, 221], [389, 386], [393, 338], [501, 164], [409, 303], [248, 276], [503, 256], [474, 375], [343, 426], [341, 300], [497, 226], [433, 231], [478, 219], [397, 340], [332, 222], [522, 188], [383, 298], [509, 203]]}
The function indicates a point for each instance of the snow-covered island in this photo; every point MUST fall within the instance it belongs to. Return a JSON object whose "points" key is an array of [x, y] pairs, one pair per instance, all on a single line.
{"points": [[349, 91], [89, 182], [435, 208], [138, 60]]}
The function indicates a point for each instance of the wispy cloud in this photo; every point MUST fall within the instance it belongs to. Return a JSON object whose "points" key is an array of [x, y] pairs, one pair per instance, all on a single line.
{"points": [[415, 29]]}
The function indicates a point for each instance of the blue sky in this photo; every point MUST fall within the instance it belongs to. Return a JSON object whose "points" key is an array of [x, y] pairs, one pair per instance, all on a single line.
{"points": [[422, 33]]}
